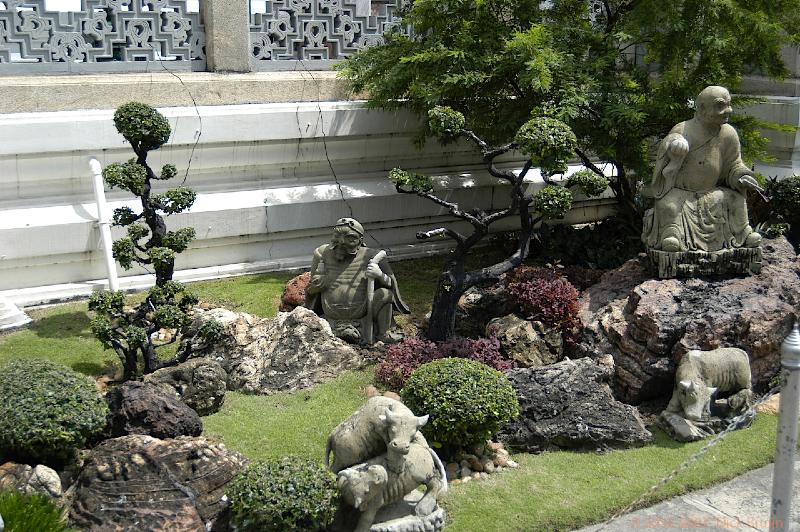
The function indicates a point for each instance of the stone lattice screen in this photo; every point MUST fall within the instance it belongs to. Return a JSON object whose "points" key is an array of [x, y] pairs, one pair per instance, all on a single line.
{"points": [[103, 35], [285, 31]]}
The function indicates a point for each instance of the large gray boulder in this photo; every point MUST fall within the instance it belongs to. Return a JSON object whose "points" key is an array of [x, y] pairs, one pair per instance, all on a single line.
{"points": [[143, 483], [478, 306], [143, 408], [198, 382], [27, 479], [570, 405], [647, 325], [295, 350]]}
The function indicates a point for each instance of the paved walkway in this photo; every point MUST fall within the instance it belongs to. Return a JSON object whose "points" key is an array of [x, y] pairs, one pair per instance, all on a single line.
{"points": [[739, 504]]}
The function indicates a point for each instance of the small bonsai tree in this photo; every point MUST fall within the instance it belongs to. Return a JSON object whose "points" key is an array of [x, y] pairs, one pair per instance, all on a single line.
{"points": [[548, 143], [131, 332]]}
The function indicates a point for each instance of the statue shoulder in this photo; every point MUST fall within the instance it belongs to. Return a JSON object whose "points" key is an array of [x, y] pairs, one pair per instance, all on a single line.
{"points": [[727, 131]]}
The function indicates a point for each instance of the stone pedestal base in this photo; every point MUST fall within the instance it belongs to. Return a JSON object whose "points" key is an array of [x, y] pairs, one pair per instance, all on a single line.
{"points": [[736, 261]]}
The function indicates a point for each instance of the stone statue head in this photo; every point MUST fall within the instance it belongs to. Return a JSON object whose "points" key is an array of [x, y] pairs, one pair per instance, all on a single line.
{"points": [[714, 105], [348, 236]]}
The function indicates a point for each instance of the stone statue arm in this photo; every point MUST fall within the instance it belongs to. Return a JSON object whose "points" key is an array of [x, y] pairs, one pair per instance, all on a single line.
{"points": [[318, 281], [735, 173], [391, 284], [671, 153]]}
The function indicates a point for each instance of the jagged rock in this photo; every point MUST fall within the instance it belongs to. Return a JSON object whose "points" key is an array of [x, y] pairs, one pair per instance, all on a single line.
{"points": [[142, 483], [569, 405], [27, 479], [529, 344], [198, 382], [143, 408], [295, 350], [294, 294], [647, 325], [478, 306]]}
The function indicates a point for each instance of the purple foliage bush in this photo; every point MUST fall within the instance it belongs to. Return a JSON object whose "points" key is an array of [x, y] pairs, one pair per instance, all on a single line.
{"points": [[543, 295], [403, 358]]}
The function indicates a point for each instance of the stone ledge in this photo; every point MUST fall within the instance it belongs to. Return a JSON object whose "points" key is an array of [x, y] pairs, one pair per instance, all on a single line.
{"points": [[735, 261], [28, 94]]}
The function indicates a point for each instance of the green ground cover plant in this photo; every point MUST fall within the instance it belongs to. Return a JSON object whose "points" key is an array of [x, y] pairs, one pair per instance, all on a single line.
{"points": [[30, 513], [551, 491]]}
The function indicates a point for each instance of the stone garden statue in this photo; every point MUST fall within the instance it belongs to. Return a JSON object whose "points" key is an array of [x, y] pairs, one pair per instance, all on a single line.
{"points": [[699, 222], [380, 459], [353, 287], [697, 409]]}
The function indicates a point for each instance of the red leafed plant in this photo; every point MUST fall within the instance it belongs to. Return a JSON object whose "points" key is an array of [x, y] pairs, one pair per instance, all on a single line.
{"points": [[403, 358], [544, 295]]}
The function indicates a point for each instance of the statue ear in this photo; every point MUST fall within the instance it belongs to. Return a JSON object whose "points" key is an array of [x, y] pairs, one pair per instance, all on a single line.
{"points": [[421, 420], [712, 391]]}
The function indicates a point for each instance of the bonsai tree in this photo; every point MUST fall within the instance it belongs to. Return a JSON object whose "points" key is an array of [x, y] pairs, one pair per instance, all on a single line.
{"points": [[620, 73], [548, 143], [131, 332]]}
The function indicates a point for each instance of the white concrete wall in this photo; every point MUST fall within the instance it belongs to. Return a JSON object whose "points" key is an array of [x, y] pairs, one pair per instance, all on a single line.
{"points": [[265, 178]]}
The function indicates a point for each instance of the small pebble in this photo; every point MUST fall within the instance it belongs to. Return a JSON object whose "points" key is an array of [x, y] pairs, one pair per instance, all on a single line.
{"points": [[466, 479], [476, 475], [484, 476], [455, 482], [512, 464]]}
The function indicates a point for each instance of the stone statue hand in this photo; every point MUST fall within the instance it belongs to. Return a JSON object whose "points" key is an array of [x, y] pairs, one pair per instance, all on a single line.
{"points": [[679, 147], [374, 271], [318, 282], [748, 182]]}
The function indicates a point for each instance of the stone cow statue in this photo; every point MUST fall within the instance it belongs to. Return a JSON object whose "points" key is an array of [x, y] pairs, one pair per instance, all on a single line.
{"points": [[700, 376], [382, 425], [373, 484]]}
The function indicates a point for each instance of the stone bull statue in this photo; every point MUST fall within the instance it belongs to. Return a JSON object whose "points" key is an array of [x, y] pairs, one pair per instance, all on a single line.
{"points": [[693, 411], [382, 425], [369, 486]]}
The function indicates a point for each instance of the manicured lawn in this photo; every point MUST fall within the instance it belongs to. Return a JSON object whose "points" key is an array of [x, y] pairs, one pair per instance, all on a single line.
{"points": [[550, 491]]}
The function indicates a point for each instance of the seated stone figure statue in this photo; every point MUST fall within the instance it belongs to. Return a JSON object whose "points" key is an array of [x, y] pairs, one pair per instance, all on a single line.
{"points": [[340, 274], [699, 184]]}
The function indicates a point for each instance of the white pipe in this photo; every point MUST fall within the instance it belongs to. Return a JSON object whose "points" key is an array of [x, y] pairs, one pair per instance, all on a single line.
{"points": [[103, 222], [786, 441]]}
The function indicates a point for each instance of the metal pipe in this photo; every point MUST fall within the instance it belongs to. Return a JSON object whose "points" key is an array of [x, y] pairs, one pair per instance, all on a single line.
{"points": [[783, 473], [103, 222]]}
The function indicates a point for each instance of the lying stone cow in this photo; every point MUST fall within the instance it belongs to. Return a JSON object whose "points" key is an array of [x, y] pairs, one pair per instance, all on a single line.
{"points": [[369, 486], [700, 376], [382, 425]]}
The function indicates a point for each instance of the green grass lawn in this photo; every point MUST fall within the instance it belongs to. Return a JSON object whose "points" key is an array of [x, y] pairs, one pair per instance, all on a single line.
{"points": [[550, 491]]}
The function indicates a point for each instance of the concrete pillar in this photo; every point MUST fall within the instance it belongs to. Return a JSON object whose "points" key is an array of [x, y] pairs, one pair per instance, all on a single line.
{"points": [[227, 24]]}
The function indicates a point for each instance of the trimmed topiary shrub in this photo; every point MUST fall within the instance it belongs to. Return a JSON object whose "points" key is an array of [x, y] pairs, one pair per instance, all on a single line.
{"points": [[404, 357], [588, 182], [283, 494], [468, 402], [552, 202], [47, 411], [30, 513], [544, 296]]}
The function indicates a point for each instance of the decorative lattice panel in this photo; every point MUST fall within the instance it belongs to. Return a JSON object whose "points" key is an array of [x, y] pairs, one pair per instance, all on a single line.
{"points": [[319, 29], [103, 31]]}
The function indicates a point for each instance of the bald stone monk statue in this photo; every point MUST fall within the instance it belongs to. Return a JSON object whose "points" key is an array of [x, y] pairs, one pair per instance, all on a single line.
{"points": [[338, 290], [699, 184]]}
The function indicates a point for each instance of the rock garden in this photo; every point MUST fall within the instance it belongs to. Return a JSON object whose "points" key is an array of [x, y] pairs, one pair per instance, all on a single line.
{"points": [[542, 379]]}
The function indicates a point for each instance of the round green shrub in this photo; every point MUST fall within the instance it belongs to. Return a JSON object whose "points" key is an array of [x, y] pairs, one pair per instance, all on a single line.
{"points": [[30, 513], [283, 494], [47, 411], [552, 202], [445, 121], [141, 124], [590, 183], [549, 142], [468, 402]]}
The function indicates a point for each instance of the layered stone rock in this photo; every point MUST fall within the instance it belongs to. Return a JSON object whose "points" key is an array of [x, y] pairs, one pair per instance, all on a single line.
{"points": [[198, 382], [528, 343], [295, 350], [570, 405], [143, 408], [139, 482], [648, 325], [478, 306]]}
